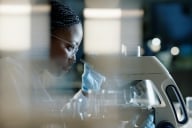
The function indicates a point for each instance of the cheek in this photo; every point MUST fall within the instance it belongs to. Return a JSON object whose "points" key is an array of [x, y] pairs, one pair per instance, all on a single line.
{"points": [[60, 56], [57, 51]]}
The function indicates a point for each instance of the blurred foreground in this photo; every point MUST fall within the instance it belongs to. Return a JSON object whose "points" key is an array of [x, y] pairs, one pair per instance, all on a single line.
{"points": [[33, 97]]}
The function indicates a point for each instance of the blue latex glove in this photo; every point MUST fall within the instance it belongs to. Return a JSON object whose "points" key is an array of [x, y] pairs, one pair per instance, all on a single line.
{"points": [[149, 122], [91, 80]]}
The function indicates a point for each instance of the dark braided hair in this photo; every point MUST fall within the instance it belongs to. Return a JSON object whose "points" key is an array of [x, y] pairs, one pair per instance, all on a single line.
{"points": [[62, 15]]}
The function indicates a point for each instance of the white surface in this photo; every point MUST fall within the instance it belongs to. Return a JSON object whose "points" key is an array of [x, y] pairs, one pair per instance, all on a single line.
{"points": [[189, 124]]}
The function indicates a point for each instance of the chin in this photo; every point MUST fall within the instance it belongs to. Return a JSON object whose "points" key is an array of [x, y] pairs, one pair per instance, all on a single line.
{"points": [[65, 65], [66, 68]]}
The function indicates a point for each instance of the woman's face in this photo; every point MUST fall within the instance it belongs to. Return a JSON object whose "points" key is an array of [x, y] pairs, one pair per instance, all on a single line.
{"points": [[64, 45]]}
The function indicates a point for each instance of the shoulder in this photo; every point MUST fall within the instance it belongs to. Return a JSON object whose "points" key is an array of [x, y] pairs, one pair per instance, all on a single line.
{"points": [[13, 65]]}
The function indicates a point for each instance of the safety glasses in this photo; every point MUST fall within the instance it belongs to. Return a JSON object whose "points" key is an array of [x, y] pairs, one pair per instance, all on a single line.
{"points": [[72, 47]]}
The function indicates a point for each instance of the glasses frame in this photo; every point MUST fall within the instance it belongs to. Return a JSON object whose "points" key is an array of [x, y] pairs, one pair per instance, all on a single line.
{"points": [[74, 48]]}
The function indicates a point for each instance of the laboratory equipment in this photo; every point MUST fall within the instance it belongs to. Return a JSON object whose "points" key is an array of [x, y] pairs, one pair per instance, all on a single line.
{"points": [[152, 87]]}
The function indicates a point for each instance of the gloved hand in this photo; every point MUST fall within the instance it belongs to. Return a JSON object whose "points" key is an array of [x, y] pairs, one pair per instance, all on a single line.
{"points": [[91, 80], [149, 122]]}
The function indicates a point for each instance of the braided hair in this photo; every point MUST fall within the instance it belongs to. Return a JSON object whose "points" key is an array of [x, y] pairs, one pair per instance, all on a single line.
{"points": [[62, 15]]}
